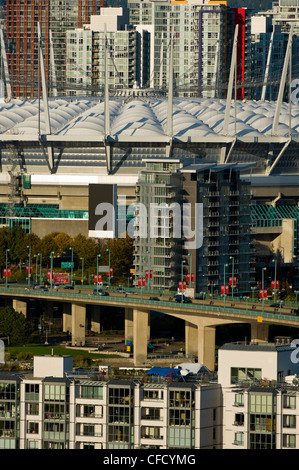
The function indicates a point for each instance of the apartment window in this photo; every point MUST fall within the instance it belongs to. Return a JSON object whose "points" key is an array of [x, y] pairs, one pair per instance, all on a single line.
{"points": [[94, 392], [151, 432], [179, 417], [289, 421], [32, 444], [241, 374], [32, 428], [8, 391], [119, 396], [289, 401], [31, 392], [32, 408], [239, 419], [239, 399], [180, 398], [55, 392], [153, 394], [289, 440], [239, 439]]}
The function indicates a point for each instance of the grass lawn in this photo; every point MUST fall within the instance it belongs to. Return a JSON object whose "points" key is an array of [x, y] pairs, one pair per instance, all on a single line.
{"points": [[43, 349]]}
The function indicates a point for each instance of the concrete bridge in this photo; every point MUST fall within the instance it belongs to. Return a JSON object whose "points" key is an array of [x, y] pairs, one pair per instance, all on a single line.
{"points": [[201, 317]]}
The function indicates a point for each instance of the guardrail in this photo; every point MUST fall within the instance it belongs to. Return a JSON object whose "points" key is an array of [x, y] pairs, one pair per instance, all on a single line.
{"points": [[147, 302]]}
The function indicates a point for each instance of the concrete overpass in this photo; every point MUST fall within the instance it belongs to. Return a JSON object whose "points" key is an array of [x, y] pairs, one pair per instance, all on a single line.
{"points": [[201, 317]]}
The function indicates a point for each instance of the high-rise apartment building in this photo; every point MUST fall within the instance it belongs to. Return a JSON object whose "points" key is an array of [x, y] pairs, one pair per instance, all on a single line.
{"points": [[203, 40], [200, 38], [55, 18], [127, 54], [223, 257]]}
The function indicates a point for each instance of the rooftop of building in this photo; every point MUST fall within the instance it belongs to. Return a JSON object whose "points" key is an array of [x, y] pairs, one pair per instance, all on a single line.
{"points": [[143, 119], [258, 346]]}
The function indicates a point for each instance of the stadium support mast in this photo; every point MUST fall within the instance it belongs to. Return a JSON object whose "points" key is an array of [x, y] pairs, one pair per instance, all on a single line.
{"points": [[267, 67], [50, 157], [169, 129], [233, 68], [106, 102], [282, 82], [52, 61], [5, 66]]}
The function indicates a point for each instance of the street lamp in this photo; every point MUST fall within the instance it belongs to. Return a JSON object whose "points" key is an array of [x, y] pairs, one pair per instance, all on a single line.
{"points": [[109, 265], [29, 267], [40, 268], [190, 272], [275, 272], [36, 260], [72, 265], [51, 271], [7, 251], [263, 270], [233, 273], [182, 277], [141, 259], [98, 256], [225, 266], [82, 280], [149, 269]]}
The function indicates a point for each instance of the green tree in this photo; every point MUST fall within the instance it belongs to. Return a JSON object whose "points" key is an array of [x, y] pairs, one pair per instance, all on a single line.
{"points": [[121, 256], [86, 248], [47, 245], [14, 325], [63, 242]]}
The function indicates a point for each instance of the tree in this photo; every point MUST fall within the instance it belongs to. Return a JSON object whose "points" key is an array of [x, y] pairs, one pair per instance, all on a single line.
{"points": [[86, 248], [14, 325], [63, 242], [121, 256], [47, 245]]}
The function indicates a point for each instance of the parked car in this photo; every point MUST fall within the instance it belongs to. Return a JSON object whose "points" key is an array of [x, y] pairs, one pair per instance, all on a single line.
{"points": [[120, 290], [154, 298], [186, 300], [275, 305], [68, 287], [100, 292]]}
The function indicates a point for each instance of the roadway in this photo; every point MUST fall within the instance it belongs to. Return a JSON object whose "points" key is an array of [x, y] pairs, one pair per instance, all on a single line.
{"points": [[128, 298]]}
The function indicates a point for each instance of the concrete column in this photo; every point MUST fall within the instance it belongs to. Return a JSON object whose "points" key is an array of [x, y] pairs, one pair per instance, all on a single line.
{"points": [[78, 324], [49, 309], [95, 312], [66, 317], [191, 339], [20, 306], [206, 346], [259, 332], [128, 324], [140, 336]]}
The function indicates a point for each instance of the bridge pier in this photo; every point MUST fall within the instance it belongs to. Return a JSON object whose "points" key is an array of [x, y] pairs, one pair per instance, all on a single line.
{"points": [[259, 332], [66, 317], [129, 324], [140, 335], [20, 306], [95, 312], [78, 324]]}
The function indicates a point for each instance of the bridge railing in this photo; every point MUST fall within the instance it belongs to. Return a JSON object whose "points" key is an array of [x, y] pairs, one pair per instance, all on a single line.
{"points": [[153, 304]]}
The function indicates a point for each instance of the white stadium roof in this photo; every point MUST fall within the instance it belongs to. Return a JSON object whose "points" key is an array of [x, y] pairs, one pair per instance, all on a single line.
{"points": [[145, 120]]}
